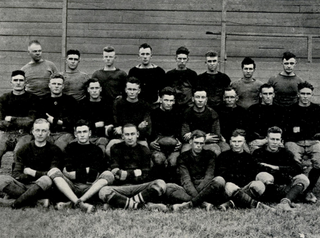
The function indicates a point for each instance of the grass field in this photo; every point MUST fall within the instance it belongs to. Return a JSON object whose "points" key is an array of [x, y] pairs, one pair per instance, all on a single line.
{"points": [[256, 223]]}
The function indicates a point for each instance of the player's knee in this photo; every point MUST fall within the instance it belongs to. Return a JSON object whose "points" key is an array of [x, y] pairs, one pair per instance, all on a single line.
{"points": [[54, 173], [301, 179], [106, 193], [44, 182], [265, 178], [107, 175], [231, 188], [158, 158], [218, 182], [5, 180], [257, 188], [160, 185]]}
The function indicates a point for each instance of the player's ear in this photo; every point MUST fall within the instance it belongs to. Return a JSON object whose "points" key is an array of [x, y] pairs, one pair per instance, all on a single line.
{"points": [[138, 134]]}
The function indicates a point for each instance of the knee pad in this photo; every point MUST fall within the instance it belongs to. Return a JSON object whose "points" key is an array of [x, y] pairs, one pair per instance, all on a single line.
{"points": [[265, 178], [231, 188], [44, 182], [5, 180], [54, 173], [160, 186], [301, 179], [106, 193], [158, 158], [257, 188], [107, 175], [218, 181]]}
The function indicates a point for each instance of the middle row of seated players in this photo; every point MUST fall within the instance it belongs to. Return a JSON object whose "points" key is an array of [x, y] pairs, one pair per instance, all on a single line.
{"points": [[233, 179], [161, 127]]}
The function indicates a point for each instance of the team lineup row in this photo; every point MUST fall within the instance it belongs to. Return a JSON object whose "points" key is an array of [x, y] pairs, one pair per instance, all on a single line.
{"points": [[185, 120]]}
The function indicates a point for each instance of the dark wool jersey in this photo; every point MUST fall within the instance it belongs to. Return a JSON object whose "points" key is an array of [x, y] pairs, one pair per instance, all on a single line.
{"points": [[20, 107], [63, 108], [260, 118], [206, 121], [151, 82], [113, 83], [129, 159], [41, 159], [94, 112], [231, 118], [302, 123], [165, 123], [288, 167], [79, 157], [182, 81], [196, 171], [214, 85], [238, 168]]}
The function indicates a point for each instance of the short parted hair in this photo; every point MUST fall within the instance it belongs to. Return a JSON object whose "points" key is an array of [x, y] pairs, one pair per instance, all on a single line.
{"points": [[57, 76], [129, 125], [182, 50], [18, 72], [265, 85], [91, 80], [288, 55], [274, 129], [40, 121], [238, 132], [34, 42], [197, 134], [197, 89], [211, 53], [145, 46], [167, 91], [246, 61], [108, 48], [229, 89], [81, 122], [134, 80], [73, 52], [305, 84]]}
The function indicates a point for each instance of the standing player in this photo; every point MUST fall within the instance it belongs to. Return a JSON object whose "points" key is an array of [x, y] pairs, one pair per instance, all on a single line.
{"points": [[38, 71], [74, 79], [150, 75]]}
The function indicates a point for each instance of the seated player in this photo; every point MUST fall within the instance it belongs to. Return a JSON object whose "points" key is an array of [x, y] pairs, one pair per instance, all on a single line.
{"points": [[29, 181], [277, 162], [131, 110], [302, 136], [239, 170], [83, 173], [166, 124], [94, 109], [196, 168], [130, 164], [74, 79], [17, 113], [61, 111], [201, 117]]}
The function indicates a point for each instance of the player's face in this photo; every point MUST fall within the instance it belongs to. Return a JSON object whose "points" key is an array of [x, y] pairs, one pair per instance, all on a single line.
{"points": [[248, 70], [73, 61], [132, 90], [236, 143], [230, 98], [130, 136], [82, 134], [212, 63], [35, 52], [197, 144], [182, 60], [145, 55], [167, 102], [267, 95], [200, 99], [56, 86], [305, 95], [41, 132], [288, 65], [109, 57], [273, 141], [18, 82], [94, 90]]}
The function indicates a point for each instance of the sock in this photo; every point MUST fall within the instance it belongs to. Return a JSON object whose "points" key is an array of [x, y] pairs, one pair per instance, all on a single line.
{"points": [[120, 201], [243, 200], [147, 195], [314, 175], [27, 197], [13, 190], [294, 192]]}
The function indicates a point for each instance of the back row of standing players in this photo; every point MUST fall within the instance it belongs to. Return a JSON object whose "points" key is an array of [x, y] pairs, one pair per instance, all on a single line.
{"points": [[111, 99]]}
